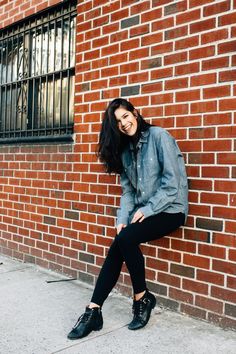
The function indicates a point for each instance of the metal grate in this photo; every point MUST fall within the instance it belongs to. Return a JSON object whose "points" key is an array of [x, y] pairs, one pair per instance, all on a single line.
{"points": [[37, 70]]}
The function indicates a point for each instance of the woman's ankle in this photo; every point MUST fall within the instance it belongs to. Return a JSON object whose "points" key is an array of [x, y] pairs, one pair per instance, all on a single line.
{"points": [[138, 296], [93, 305]]}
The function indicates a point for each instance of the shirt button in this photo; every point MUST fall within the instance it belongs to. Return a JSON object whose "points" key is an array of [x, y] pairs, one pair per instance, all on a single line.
{"points": [[143, 192], [138, 166], [140, 179]]}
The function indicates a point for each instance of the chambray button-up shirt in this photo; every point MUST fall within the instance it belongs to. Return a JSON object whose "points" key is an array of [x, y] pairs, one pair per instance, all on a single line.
{"points": [[154, 178]]}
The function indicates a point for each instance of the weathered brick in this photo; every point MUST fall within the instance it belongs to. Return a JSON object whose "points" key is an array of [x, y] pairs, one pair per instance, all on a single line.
{"points": [[209, 224], [230, 310], [184, 271], [129, 22], [130, 90]]}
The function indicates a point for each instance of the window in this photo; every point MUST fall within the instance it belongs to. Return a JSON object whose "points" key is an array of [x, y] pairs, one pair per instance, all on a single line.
{"points": [[37, 69]]}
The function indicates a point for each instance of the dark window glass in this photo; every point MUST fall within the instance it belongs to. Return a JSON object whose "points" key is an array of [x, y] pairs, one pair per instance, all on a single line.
{"points": [[37, 69]]}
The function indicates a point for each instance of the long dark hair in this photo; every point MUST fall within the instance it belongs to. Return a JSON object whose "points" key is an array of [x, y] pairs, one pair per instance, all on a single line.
{"points": [[111, 141]]}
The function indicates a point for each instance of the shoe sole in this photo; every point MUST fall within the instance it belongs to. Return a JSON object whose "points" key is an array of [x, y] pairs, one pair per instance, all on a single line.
{"points": [[95, 329]]}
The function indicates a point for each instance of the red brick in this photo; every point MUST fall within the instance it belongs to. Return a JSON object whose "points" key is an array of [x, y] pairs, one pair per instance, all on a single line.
{"points": [[209, 304], [226, 47], [226, 158], [217, 119], [203, 79], [187, 43], [216, 63], [219, 91], [169, 255], [211, 251], [232, 256], [151, 15], [156, 264], [230, 226], [225, 186], [187, 69], [140, 8], [119, 37], [202, 25], [227, 213], [162, 98], [196, 261], [177, 109], [188, 16], [168, 279], [231, 282], [163, 24], [216, 8], [176, 83], [202, 52], [214, 36], [210, 277], [189, 145], [205, 106], [201, 133], [228, 19], [193, 311], [214, 198], [175, 58], [151, 39], [149, 88], [181, 295], [139, 31], [195, 286], [183, 96], [217, 145], [223, 294]]}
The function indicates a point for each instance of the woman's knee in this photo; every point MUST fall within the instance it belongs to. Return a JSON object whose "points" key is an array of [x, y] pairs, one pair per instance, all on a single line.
{"points": [[124, 237]]}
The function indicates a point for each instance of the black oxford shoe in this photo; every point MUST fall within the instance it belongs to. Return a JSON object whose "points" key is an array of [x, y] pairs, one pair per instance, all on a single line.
{"points": [[90, 321], [142, 311]]}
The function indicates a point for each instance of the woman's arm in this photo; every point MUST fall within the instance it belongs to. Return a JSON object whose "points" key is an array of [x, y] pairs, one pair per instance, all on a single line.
{"points": [[170, 159], [126, 201]]}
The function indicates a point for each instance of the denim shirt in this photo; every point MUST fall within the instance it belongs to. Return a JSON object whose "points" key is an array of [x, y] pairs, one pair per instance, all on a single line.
{"points": [[154, 178]]}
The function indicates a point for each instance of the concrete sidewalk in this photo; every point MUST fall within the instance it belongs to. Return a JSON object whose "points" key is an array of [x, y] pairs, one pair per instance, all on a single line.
{"points": [[36, 317]]}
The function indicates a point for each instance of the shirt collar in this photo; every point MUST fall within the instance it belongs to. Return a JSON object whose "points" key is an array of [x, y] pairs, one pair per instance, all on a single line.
{"points": [[143, 139]]}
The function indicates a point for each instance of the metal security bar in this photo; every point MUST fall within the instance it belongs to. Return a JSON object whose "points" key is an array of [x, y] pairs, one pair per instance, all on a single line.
{"points": [[37, 69]]}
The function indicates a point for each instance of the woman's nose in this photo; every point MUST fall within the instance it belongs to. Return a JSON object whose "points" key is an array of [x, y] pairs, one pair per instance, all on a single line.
{"points": [[122, 121]]}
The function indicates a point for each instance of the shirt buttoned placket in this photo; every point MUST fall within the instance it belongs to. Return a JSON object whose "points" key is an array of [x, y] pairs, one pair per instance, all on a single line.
{"points": [[139, 174]]}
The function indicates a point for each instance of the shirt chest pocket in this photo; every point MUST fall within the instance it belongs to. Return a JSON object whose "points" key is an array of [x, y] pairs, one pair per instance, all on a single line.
{"points": [[151, 168]]}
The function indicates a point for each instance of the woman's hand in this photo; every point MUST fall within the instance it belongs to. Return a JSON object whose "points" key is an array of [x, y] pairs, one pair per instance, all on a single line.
{"points": [[138, 216], [120, 227]]}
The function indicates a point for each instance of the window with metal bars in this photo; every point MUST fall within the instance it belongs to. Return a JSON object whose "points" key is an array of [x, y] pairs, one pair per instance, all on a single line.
{"points": [[37, 70]]}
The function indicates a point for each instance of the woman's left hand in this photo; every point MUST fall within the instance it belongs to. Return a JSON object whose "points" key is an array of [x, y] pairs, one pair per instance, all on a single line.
{"points": [[138, 216]]}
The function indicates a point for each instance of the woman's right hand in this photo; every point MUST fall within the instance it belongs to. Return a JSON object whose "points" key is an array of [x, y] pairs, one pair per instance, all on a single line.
{"points": [[120, 227]]}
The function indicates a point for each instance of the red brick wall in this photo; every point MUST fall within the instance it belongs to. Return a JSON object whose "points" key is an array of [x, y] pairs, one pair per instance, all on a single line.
{"points": [[176, 61]]}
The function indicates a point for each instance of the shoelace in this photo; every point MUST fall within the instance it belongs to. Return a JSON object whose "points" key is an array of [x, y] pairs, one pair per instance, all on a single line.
{"points": [[137, 309], [83, 318]]}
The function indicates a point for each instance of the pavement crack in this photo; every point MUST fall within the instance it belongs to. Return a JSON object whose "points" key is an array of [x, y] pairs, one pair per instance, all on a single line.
{"points": [[88, 339]]}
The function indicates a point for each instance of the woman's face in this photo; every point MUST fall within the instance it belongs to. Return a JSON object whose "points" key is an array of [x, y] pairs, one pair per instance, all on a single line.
{"points": [[126, 121]]}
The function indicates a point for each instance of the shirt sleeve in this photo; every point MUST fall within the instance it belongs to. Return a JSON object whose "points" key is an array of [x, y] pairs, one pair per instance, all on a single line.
{"points": [[169, 157], [126, 201]]}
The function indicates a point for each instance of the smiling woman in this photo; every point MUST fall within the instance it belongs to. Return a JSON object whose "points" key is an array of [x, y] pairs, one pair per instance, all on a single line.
{"points": [[153, 204]]}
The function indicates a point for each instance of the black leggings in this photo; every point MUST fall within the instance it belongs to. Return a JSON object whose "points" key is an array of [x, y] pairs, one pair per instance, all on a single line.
{"points": [[125, 247]]}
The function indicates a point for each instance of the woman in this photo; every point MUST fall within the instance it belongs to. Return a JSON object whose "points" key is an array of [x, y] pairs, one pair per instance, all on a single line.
{"points": [[153, 204]]}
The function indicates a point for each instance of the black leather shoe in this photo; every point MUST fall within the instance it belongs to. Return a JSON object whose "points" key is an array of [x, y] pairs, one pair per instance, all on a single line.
{"points": [[142, 310], [90, 321]]}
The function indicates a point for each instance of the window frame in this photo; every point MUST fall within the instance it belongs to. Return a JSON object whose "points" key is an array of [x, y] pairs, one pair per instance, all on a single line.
{"points": [[22, 121]]}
